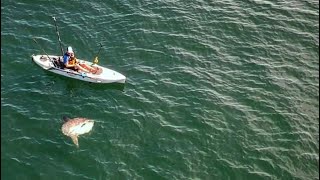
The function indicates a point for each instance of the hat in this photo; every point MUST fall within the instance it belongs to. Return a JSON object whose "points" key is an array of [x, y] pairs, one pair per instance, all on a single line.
{"points": [[69, 49]]}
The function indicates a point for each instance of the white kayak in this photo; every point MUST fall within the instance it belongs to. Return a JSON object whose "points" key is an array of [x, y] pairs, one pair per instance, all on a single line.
{"points": [[101, 75]]}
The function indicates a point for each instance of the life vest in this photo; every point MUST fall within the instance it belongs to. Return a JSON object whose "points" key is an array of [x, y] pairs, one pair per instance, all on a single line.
{"points": [[72, 61]]}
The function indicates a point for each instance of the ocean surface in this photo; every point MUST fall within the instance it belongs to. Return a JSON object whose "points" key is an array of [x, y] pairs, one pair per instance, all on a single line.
{"points": [[225, 90]]}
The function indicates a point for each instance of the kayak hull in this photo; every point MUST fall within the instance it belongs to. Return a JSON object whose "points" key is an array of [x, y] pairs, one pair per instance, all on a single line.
{"points": [[105, 75]]}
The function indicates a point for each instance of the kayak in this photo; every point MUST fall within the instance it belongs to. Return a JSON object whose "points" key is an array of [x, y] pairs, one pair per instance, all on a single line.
{"points": [[99, 75]]}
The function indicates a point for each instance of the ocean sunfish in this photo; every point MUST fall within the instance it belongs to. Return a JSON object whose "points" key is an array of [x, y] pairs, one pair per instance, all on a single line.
{"points": [[75, 127]]}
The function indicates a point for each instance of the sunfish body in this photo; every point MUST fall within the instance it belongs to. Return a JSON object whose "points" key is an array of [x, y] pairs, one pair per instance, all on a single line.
{"points": [[75, 127]]}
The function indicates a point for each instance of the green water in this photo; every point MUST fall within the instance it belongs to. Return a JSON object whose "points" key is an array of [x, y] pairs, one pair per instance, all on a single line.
{"points": [[214, 90]]}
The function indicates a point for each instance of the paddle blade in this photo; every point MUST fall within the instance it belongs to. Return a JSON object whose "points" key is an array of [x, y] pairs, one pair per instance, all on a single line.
{"points": [[95, 61]]}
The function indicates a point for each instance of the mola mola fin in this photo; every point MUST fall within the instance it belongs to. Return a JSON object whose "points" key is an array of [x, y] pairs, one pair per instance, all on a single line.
{"points": [[65, 118], [75, 140]]}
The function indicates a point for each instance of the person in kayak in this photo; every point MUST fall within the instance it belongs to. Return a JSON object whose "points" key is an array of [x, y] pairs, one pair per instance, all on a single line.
{"points": [[71, 62]]}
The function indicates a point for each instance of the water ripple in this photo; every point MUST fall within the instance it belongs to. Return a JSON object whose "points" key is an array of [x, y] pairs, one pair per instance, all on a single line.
{"points": [[215, 89]]}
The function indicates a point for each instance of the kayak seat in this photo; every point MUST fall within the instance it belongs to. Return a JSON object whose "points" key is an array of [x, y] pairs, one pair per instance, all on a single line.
{"points": [[57, 63]]}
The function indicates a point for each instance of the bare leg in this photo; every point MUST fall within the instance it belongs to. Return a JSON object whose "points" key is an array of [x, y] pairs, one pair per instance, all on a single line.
{"points": [[81, 68], [89, 68]]}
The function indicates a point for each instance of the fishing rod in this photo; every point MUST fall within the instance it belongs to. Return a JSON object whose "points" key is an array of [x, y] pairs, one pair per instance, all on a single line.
{"points": [[95, 61], [45, 52], [42, 49], [55, 23]]}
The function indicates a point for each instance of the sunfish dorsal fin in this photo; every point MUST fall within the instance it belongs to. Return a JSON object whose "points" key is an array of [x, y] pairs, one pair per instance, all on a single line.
{"points": [[75, 139], [65, 118]]}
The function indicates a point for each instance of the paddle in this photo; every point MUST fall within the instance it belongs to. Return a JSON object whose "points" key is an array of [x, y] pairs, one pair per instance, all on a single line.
{"points": [[95, 61], [55, 23], [42, 49]]}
